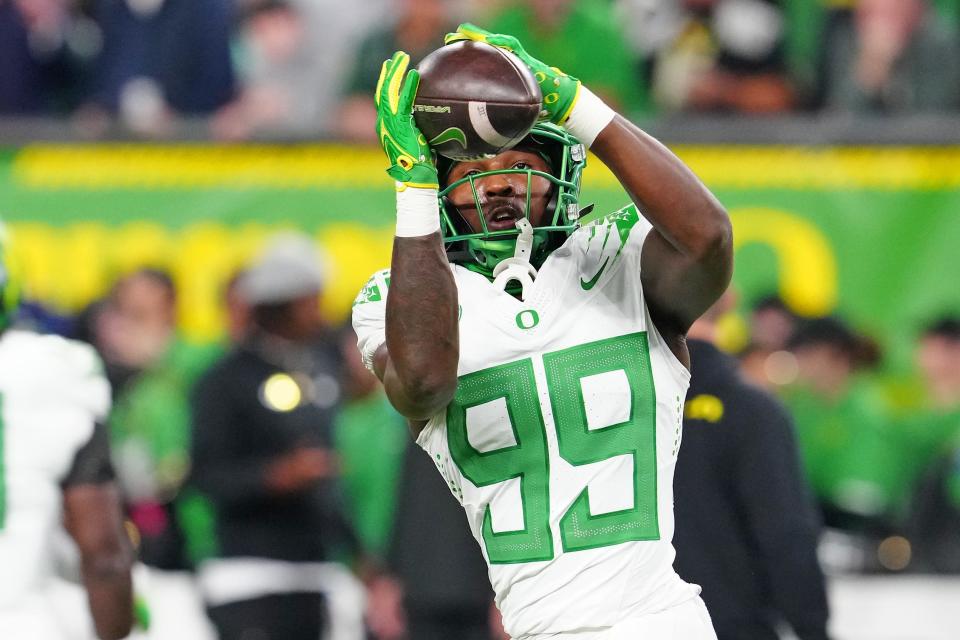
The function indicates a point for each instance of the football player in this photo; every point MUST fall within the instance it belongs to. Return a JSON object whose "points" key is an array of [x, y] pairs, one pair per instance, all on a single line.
{"points": [[55, 469], [542, 362]]}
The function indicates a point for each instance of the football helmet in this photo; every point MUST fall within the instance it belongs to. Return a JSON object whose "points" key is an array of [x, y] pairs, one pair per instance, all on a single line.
{"points": [[482, 251]]}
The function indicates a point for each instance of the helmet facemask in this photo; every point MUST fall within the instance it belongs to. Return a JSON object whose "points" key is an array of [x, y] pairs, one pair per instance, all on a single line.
{"points": [[481, 251]]}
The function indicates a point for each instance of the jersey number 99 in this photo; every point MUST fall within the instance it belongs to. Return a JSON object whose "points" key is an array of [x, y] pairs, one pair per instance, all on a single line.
{"points": [[566, 370]]}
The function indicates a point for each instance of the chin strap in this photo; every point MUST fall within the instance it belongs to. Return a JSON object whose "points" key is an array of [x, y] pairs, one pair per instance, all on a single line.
{"points": [[518, 267]]}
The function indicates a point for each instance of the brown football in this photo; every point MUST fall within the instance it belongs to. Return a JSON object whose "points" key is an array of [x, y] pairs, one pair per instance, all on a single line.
{"points": [[475, 100]]}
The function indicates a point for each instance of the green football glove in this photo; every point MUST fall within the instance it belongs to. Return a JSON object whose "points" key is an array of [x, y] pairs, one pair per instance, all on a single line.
{"points": [[559, 90], [411, 162]]}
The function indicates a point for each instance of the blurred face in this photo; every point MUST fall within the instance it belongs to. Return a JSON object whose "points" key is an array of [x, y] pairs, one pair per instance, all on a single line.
{"points": [[298, 320], [137, 325], [277, 34], [938, 359], [503, 197], [305, 318], [145, 304], [771, 328], [824, 368]]}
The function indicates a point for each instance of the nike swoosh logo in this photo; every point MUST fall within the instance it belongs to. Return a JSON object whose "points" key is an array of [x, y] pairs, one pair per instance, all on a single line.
{"points": [[588, 284], [451, 134]]}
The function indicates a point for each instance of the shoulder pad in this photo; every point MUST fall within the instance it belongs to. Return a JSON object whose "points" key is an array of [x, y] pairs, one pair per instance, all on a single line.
{"points": [[62, 371]]}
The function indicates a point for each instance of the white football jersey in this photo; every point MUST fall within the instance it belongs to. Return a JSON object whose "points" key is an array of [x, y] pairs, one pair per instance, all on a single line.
{"points": [[562, 438], [52, 392]]}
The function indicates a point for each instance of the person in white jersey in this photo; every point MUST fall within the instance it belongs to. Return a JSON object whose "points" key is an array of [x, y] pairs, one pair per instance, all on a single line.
{"points": [[55, 472], [541, 359]]}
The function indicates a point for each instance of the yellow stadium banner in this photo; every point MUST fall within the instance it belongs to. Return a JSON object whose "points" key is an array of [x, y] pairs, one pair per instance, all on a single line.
{"points": [[869, 232]]}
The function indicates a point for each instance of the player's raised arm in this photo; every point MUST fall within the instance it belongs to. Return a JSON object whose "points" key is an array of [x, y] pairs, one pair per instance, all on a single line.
{"points": [[418, 362], [687, 259]]}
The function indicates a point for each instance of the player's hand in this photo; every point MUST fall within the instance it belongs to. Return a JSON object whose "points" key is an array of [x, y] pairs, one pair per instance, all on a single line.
{"points": [[385, 613], [559, 90], [300, 469], [411, 162]]}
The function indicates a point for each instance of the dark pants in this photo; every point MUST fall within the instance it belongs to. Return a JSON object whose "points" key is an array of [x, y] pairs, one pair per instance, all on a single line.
{"points": [[449, 624], [293, 616]]}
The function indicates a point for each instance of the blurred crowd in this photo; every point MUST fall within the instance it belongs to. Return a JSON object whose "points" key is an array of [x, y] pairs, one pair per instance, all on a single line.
{"points": [[882, 457], [876, 451], [295, 68], [277, 444]]}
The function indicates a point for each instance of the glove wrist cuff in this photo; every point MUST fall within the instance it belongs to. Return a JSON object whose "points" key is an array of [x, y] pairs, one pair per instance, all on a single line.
{"points": [[589, 116], [418, 213]]}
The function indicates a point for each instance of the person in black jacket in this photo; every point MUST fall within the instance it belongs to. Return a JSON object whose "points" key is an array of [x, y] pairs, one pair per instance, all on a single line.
{"points": [[746, 526], [262, 454]]}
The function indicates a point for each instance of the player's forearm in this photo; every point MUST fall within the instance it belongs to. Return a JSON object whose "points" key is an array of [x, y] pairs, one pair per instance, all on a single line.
{"points": [[110, 592], [92, 516], [675, 201], [420, 372], [421, 327]]}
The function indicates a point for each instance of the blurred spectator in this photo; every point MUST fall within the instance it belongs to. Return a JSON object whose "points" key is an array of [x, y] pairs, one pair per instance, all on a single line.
{"points": [[931, 428], [932, 440], [161, 58], [938, 358], [772, 323], [845, 434], [21, 72], [42, 43], [582, 37], [723, 55], [891, 56], [134, 326], [418, 29], [294, 56], [262, 454], [765, 360], [193, 513], [747, 526], [150, 422]]}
